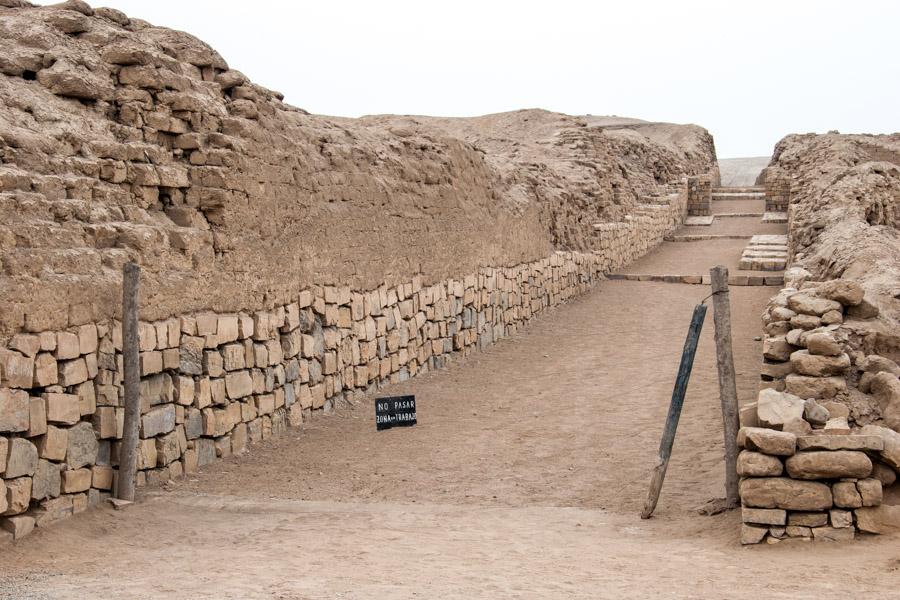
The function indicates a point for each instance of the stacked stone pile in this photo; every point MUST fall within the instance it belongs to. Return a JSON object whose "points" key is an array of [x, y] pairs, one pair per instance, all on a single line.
{"points": [[821, 441], [213, 383]]}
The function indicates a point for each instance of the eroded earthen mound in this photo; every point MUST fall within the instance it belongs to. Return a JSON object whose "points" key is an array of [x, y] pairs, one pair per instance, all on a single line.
{"points": [[124, 141]]}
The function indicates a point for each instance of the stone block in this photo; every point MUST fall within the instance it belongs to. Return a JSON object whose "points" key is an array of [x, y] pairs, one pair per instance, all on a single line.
{"points": [[840, 442], [807, 304], [190, 461], [814, 387], [781, 492], [750, 534], [767, 441], [63, 409], [191, 355], [824, 464], [76, 480], [763, 516], [774, 408], [870, 490], [72, 372], [102, 477], [52, 510], [846, 495], [53, 444], [87, 398], [147, 454], [67, 346], [834, 534], [233, 357], [184, 390], [206, 451], [193, 424], [238, 384], [227, 329], [883, 519], [756, 464], [822, 344], [213, 364], [106, 421], [27, 344], [167, 449], [46, 482], [891, 440], [18, 495], [151, 362], [15, 410], [87, 339], [45, 370], [158, 421], [82, 446], [21, 458], [16, 370], [19, 526], [239, 439], [808, 519]]}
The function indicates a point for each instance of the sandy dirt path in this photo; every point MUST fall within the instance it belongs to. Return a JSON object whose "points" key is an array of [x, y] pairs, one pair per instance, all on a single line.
{"points": [[523, 479]]}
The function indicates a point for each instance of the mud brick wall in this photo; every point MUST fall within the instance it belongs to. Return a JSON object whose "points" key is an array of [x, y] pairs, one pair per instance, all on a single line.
{"points": [[699, 195], [214, 383], [289, 261], [821, 441]]}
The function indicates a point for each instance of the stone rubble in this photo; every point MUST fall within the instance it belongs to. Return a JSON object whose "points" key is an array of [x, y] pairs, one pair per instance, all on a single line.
{"points": [[820, 442]]}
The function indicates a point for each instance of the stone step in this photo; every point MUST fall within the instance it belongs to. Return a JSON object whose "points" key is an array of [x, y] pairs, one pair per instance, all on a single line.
{"points": [[700, 237], [773, 253], [752, 189], [736, 280], [699, 220], [741, 196], [738, 214], [774, 217], [762, 264], [769, 238]]}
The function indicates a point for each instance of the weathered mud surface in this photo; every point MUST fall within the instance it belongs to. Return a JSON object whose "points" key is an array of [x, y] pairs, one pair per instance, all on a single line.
{"points": [[124, 141]]}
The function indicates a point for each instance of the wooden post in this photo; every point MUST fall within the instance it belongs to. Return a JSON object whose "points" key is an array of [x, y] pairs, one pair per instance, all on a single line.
{"points": [[131, 275], [681, 382], [727, 385]]}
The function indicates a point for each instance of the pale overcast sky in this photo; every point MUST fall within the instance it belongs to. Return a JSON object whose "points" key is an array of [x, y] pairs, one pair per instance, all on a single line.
{"points": [[750, 71]]}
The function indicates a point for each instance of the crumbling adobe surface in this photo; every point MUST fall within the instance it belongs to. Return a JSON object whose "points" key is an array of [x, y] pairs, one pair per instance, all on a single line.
{"points": [[124, 141], [845, 216], [578, 170]]}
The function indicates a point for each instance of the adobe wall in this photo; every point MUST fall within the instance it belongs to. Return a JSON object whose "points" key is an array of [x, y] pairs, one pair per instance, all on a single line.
{"points": [[289, 261]]}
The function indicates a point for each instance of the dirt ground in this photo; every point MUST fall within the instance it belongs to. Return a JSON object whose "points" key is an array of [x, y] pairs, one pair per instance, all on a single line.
{"points": [[523, 479]]}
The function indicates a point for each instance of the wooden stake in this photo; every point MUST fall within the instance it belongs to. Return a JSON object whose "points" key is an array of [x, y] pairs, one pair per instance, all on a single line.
{"points": [[681, 382], [727, 385], [131, 275]]}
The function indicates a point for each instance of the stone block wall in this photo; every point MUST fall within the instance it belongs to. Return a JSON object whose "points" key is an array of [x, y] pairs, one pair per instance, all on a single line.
{"points": [[699, 191], [214, 383], [821, 441], [778, 189], [622, 242]]}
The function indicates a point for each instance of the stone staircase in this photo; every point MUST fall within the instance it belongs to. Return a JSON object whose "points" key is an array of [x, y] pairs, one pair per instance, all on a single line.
{"points": [[765, 253]]}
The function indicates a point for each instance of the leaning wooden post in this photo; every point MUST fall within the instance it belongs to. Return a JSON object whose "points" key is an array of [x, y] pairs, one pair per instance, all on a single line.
{"points": [[727, 385], [131, 275], [681, 382]]}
